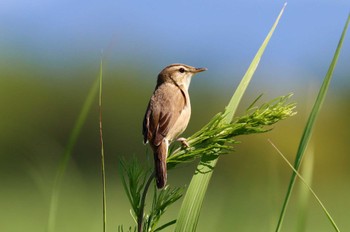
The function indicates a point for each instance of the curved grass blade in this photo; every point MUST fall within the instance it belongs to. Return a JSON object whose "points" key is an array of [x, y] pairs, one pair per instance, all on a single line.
{"points": [[309, 187], [310, 124], [165, 226], [73, 137], [190, 209]]}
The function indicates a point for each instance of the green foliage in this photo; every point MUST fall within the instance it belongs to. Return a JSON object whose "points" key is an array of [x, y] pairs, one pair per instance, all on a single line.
{"points": [[191, 205], [310, 125], [216, 137], [161, 201], [134, 179], [136, 182]]}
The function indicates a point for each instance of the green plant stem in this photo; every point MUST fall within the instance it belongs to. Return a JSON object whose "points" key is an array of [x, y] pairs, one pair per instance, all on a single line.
{"points": [[103, 172], [143, 200]]}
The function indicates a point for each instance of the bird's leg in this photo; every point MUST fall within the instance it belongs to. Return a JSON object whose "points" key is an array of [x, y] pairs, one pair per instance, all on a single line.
{"points": [[183, 142]]}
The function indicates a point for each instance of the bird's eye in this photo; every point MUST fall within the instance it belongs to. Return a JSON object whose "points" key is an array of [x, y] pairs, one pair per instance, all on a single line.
{"points": [[181, 70]]}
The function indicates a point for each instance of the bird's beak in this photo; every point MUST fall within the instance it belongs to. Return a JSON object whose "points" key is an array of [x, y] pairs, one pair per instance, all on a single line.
{"points": [[197, 70]]}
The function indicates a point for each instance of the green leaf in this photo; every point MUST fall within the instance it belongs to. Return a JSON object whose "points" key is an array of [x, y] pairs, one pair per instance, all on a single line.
{"points": [[73, 137], [134, 179], [165, 225], [190, 209], [310, 124]]}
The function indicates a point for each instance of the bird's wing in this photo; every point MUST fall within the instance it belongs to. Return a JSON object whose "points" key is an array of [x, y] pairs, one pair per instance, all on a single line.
{"points": [[145, 125], [163, 110]]}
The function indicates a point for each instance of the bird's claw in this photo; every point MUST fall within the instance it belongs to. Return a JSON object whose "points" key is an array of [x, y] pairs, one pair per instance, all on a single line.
{"points": [[183, 142]]}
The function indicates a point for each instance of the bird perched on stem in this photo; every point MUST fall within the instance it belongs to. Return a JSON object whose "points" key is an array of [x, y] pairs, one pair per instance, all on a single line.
{"points": [[168, 114]]}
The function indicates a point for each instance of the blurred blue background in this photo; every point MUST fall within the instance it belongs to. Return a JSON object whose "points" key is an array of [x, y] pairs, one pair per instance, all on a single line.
{"points": [[50, 55]]}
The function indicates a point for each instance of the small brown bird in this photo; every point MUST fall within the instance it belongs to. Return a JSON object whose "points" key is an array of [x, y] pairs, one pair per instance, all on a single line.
{"points": [[168, 113]]}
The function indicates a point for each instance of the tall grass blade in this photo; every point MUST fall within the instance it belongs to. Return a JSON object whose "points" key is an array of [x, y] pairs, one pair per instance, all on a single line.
{"points": [[68, 152], [103, 172], [309, 187], [310, 124], [190, 209]]}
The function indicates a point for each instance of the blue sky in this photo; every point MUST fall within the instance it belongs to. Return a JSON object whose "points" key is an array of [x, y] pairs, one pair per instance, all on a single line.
{"points": [[218, 34]]}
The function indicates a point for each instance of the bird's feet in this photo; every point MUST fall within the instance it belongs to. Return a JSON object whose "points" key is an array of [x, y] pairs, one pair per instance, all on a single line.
{"points": [[183, 142]]}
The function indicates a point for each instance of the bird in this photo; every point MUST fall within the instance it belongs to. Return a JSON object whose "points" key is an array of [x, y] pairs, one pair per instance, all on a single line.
{"points": [[168, 114]]}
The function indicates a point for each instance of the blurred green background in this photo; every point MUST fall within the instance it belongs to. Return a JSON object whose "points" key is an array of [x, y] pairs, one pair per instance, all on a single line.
{"points": [[50, 54]]}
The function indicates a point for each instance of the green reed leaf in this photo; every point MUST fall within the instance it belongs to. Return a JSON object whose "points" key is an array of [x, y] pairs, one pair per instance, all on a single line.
{"points": [[191, 206]]}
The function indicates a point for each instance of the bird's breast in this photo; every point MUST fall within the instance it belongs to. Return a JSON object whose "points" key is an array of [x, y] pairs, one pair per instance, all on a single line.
{"points": [[182, 121]]}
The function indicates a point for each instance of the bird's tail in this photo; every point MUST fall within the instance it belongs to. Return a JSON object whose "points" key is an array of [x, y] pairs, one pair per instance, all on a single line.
{"points": [[160, 155]]}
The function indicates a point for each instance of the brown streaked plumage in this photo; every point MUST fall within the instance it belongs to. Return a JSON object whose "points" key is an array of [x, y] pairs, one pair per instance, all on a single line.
{"points": [[168, 113]]}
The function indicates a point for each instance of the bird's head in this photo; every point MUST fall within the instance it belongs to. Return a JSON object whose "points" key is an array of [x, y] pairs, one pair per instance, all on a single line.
{"points": [[179, 74]]}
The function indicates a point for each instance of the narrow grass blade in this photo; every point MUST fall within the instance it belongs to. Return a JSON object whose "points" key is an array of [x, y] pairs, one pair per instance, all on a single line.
{"points": [[67, 153], [308, 186], [103, 172], [310, 124], [190, 209], [237, 96], [165, 226]]}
